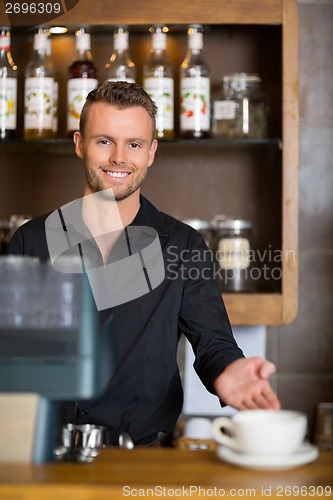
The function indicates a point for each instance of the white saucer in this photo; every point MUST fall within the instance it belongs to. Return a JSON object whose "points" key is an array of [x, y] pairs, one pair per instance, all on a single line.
{"points": [[307, 453]]}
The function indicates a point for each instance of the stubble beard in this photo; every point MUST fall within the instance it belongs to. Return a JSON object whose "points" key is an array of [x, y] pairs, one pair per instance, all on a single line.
{"points": [[97, 186]]}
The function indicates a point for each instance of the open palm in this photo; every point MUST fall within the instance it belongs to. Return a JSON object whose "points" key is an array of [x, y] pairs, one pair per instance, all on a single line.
{"points": [[244, 385]]}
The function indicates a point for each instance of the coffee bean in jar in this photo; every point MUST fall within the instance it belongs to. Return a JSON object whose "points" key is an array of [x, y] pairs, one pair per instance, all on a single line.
{"points": [[240, 110], [233, 254]]}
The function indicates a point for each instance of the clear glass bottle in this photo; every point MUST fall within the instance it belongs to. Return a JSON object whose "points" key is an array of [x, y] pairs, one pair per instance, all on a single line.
{"points": [[241, 109], [82, 78], [39, 91], [8, 87], [55, 90], [195, 88], [158, 82], [120, 66]]}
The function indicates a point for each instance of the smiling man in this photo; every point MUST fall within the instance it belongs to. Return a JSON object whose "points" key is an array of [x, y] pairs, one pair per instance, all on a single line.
{"points": [[117, 148], [144, 397]]}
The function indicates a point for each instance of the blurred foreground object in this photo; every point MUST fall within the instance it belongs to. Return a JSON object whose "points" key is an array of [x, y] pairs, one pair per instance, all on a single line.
{"points": [[68, 357]]}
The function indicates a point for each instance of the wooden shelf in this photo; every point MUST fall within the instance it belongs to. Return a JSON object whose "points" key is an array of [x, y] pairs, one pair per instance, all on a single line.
{"points": [[254, 309], [277, 17], [66, 146], [172, 11]]}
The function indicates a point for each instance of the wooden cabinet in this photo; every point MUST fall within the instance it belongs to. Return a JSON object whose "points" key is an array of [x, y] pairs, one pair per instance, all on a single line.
{"points": [[256, 180]]}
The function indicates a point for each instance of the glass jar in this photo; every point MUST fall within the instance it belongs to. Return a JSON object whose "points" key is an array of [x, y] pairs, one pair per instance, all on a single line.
{"points": [[241, 109], [17, 220], [4, 236], [234, 249], [205, 228]]}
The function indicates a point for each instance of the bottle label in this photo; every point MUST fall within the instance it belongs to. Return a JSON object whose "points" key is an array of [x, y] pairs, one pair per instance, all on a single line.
{"points": [[234, 253], [77, 91], [4, 42], [161, 90], [8, 102], [38, 103], [225, 110], [195, 103]]}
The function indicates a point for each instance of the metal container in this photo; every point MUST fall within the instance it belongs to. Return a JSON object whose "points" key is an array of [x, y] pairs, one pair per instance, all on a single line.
{"points": [[205, 228], [81, 443], [4, 236], [233, 253]]}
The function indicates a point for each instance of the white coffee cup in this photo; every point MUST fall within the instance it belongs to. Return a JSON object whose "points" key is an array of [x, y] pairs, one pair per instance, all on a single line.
{"points": [[198, 428], [262, 432]]}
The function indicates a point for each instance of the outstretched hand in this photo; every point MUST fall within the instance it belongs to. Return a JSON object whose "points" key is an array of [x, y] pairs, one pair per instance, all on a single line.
{"points": [[244, 385]]}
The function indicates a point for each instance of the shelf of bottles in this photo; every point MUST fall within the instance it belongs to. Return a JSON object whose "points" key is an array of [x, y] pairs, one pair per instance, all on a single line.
{"points": [[186, 113]]}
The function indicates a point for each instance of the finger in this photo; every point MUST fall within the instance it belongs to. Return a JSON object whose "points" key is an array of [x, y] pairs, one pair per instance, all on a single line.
{"points": [[257, 400], [241, 407], [250, 404], [261, 396], [261, 402], [238, 403], [267, 369], [271, 398]]}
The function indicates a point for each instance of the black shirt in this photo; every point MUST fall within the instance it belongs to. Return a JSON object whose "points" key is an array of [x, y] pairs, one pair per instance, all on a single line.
{"points": [[144, 396]]}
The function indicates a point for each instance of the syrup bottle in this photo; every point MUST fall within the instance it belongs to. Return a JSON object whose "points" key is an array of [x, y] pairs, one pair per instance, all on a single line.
{"points": [[194, 88], [8, 87], [39, 91], [82, 78], [120, 67], [158, 82]]}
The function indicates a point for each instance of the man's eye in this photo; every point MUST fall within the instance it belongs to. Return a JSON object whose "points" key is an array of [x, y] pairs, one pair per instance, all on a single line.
{"points": [[104, 141], [134, 145]]}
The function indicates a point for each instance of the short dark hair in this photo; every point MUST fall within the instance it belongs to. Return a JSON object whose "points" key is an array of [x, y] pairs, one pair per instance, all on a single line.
{"points": [[121, 94]]}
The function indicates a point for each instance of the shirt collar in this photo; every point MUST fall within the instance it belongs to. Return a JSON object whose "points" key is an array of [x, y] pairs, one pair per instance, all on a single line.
{"points": [[147, 215]]}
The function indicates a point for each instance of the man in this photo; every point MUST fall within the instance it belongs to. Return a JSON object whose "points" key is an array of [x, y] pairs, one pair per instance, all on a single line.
{"points": [[144, 397]]}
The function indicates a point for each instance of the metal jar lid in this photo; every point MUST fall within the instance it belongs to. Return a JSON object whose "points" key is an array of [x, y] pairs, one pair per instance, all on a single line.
{"points": [[236, 225], [239, 81], [198, 224]]}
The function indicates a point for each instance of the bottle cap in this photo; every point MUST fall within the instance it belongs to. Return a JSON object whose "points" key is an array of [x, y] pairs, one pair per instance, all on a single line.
{"points": [[120, 39], [195, 41], [83, 41], [40, 41], [159, 41], [195, 37]]}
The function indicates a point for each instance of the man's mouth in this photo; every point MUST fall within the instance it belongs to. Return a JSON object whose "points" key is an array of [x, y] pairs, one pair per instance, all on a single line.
{"points": [[117, 174]]}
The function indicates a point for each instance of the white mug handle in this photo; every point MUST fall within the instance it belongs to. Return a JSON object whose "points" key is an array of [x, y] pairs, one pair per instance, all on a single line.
{"points": [[224, 423]]}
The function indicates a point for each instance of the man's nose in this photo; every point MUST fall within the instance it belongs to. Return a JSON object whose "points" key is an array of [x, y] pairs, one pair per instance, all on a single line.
{"points": [[118, 155]]}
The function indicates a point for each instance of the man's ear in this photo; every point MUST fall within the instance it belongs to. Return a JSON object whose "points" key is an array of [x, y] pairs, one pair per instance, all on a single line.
{"points": [[152, 152], [78, 141]]}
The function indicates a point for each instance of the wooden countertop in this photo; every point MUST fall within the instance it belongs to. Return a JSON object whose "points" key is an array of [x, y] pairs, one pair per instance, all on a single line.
{"points": [[117, 474]]}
